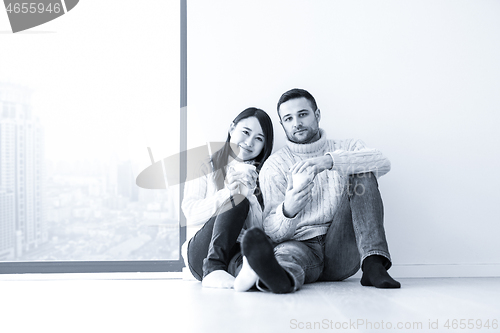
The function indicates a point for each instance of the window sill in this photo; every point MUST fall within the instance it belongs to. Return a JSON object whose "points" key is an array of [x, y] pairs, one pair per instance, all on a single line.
{"points": [[95, 276]]}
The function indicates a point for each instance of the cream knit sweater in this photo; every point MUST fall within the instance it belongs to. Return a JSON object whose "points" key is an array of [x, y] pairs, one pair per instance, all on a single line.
{"points": [[202, 199], [350, 157]]}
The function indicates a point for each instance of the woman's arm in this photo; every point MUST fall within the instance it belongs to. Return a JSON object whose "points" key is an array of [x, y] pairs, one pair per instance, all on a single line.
{"points": [[199, 203]]}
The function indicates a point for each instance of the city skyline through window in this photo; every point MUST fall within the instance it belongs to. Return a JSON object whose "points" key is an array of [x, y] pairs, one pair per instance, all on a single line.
{"points": [[74, 136]]}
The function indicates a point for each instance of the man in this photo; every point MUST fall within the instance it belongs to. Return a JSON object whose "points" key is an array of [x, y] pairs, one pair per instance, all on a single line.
{"points": [[322, 209]]}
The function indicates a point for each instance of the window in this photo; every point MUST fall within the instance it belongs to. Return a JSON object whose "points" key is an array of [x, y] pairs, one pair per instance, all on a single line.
{"points": [[95, 121]]}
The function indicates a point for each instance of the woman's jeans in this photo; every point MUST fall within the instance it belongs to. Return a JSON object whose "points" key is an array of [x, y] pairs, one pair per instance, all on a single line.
{"points": [[215, 247], [355, 233]]}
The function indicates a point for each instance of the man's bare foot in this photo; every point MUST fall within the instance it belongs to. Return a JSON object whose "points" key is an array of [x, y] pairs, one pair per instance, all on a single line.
{"points": [[218, 279], [247, 277]]}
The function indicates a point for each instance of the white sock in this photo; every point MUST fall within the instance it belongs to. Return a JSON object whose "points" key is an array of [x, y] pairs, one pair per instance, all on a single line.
{"points": [[218, 279], [246, 278]]}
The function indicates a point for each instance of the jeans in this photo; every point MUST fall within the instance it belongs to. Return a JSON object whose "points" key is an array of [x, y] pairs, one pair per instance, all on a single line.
{"points": [[214, 246], [355, 233]]}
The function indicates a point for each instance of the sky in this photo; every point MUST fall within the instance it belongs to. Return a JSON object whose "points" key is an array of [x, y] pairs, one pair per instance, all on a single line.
{"points": [[105, 79]]}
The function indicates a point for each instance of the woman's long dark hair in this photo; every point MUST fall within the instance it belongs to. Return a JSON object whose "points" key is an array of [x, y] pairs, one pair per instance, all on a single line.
{"points": [[220, 158]]}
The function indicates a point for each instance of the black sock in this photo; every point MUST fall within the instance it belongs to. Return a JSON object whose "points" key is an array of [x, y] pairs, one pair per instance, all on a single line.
{"points": [[260, 255], [375, 274]]}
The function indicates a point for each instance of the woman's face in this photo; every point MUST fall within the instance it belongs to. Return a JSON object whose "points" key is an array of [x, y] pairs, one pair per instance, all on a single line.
{"points": [[248, 136]]}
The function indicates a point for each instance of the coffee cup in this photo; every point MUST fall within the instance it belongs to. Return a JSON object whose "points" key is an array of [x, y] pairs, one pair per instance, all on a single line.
{"points": [[245, 169], [302, 179]]}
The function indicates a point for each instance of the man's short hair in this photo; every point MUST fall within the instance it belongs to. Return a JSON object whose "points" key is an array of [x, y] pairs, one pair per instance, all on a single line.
{"points": [[296, 93]]}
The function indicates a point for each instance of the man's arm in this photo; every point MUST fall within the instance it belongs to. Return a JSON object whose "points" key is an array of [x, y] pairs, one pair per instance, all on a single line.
{"points": [[357, 158], [274, 183], [354, 158]]}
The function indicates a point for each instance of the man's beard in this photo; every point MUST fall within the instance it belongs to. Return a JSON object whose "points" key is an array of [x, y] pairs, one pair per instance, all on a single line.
{"points": [[310, 135]]}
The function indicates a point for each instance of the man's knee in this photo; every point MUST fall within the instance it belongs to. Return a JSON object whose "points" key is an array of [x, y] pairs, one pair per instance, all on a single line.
{"points": [[361, 183], [363, 176]]}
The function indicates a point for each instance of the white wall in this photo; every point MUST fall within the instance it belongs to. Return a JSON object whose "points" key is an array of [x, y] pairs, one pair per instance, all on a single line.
{"points": [[419, 80]]}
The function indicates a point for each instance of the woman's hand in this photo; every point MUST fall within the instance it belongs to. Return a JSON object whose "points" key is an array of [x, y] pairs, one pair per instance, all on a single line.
{"points": [[248, 183], [250, 179], [233, 180], [241, 182]]}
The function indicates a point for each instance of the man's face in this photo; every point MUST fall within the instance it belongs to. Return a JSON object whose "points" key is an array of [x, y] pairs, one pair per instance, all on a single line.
{"points": [[299, 120]]}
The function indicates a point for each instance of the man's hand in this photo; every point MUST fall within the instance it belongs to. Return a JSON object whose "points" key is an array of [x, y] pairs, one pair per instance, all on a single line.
{"points": [[296, 198], [317, 164]]}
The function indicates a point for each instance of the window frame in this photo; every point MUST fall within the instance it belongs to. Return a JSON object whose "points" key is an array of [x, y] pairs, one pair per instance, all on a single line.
{"points": [[117, 266]]}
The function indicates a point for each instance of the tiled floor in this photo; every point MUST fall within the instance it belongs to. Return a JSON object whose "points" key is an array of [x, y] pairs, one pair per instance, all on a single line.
{"points": [[176, 305]]}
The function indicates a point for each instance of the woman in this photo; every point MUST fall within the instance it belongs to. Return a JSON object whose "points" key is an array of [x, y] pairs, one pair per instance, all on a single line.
{"points": [[225, 200]]}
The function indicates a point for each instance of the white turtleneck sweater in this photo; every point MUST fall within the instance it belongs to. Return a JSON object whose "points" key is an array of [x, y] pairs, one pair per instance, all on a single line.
{"points": [[349, 156]]}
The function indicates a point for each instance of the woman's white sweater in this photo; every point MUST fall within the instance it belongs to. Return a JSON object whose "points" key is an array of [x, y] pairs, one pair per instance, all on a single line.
{"points": [[202, 198]]}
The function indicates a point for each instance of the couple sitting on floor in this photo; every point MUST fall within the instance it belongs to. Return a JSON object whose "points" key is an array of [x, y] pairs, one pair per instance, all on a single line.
{"points": [[310, 212]]}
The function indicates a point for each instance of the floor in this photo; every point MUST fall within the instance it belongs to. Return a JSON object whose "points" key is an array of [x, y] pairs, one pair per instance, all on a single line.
{"points": [[69, 303]]}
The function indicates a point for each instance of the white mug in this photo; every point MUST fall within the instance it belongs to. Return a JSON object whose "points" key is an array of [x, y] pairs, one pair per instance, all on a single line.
{"points": [[243, 168], [300, 180]]}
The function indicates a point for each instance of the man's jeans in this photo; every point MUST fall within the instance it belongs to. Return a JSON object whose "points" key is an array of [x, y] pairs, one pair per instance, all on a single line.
{"points": [[356, 232]]}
